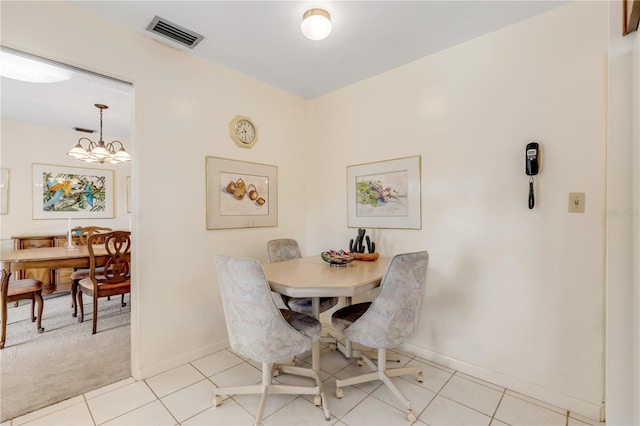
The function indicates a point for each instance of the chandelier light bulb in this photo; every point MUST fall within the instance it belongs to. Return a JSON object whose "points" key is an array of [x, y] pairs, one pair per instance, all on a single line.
{"points": [[99, 152], [316, 24]]}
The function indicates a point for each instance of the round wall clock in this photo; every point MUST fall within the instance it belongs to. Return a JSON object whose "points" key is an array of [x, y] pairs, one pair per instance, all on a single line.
{"points": [[243, 131]]}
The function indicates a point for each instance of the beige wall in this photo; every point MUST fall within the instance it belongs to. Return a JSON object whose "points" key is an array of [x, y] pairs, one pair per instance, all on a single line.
{"points": [[22, 145], [513, 295]]}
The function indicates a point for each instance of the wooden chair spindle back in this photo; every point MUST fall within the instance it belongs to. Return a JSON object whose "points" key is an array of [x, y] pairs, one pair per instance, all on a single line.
{"points": [[117, 266]]}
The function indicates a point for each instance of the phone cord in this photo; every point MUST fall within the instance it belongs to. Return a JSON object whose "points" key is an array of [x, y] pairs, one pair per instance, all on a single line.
{"points": [[531, 198]]}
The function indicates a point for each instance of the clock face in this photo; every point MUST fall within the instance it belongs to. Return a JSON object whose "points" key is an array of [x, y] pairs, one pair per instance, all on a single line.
{"points": [[245, 131]]}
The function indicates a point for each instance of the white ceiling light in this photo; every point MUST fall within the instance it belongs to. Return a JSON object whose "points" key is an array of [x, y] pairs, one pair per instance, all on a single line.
{"points": [[21, 68], [316, 24]]}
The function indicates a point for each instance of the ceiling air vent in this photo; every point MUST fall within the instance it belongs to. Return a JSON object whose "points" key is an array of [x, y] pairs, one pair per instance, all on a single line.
{"points": [[174, 32], [81, 129]]}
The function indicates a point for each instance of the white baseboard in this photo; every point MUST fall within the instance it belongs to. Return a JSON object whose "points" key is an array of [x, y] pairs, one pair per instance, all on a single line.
{"points": [[183, 358], [587, 409]]}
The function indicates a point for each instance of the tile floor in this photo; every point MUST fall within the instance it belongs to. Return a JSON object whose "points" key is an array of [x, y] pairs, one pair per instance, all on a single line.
{"points": [[183, 395]]}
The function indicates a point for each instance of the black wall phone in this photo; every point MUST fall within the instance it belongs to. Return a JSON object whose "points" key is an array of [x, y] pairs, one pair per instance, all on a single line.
{"points": [[531, 167]]}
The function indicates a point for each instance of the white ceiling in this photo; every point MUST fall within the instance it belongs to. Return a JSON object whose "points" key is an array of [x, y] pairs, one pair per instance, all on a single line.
{"points": [[262, 39]]}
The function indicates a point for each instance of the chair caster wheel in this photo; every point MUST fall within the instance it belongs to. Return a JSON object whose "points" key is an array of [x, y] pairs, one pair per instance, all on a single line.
{"points": [[360, 362], [217, 400], [339, 393], [317, 400], [333, 346], [421, 377], [276, 372], [412, 417]]}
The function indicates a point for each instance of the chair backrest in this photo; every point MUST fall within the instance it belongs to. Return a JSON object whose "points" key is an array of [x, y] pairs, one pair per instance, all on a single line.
{"points": [[256, 328], [86, 231], [4, 286], [393, 314], [117, 267], [282, 249]]}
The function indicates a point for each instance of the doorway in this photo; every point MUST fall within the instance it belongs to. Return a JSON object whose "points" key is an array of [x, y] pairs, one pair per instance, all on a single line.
{"points": [[44, 114]]}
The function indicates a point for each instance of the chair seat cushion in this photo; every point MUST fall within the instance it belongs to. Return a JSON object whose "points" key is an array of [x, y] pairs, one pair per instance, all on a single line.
{"points": [[344, 317], [23, 286], [303, 304], [88, 284], [81, 274], [305, 324]]}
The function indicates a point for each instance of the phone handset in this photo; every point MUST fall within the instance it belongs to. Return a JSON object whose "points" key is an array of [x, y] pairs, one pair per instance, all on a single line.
{"points": [[531, 168]]}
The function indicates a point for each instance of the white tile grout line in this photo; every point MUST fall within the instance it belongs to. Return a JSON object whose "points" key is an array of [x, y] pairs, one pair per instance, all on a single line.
{"points": [[160, 400], [493, 416]]}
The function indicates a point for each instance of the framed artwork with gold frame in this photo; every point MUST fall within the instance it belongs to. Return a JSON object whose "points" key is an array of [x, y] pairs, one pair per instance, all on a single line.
{"points": [[384, 194], [241, 194]]}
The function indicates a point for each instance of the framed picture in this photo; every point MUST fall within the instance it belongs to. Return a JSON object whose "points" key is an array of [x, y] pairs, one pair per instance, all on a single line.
{"points": [[61, 192], [384, 194], [631, 11], [4, 191], [241, 194], [128, 194]]}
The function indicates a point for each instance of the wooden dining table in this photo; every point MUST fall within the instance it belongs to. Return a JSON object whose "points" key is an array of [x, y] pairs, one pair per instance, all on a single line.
{"points": [[50, 257]]}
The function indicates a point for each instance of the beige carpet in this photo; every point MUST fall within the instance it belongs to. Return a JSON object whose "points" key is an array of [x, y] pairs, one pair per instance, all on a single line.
{"points": [[66, 360]]}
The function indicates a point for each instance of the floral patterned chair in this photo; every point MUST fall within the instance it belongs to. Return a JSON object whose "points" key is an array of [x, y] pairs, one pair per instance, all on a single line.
{"points": [[386, 322], [287, 249], [258, 330]]}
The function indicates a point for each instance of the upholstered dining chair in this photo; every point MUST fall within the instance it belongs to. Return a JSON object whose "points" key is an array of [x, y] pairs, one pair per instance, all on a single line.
{"points": [[286, 249], [386, 322], [258, 330], [12, 291], [115, 278], [83, 238]]}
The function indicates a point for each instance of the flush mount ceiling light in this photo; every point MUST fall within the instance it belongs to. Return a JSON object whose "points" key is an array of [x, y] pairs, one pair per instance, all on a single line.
{"points": [[316, 24], [21, 68], [99, 152]]}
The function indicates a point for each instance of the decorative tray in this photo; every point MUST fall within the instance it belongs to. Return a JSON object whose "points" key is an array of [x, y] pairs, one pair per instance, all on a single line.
{"points": [[337, 258]]}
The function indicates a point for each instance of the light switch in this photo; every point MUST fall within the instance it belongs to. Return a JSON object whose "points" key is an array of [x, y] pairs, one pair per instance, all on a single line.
{"points": [[576, 202]]}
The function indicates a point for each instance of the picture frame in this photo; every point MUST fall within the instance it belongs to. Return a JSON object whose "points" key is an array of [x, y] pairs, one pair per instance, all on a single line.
{"points": [[4, 191], [631, 12], [240, 194], [385, 194], [62, 192]]}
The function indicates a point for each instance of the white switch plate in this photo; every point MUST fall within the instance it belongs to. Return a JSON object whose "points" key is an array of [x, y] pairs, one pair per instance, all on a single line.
{"points": [[576, 202]]}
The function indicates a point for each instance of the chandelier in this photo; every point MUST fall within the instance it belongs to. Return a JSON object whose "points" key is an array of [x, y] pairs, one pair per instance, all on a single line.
{"points": [[99, 152]]}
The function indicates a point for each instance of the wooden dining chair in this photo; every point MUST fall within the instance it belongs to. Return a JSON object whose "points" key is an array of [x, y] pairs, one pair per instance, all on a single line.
{"points": [[12, 291], [115, 278], [78, 274]]}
